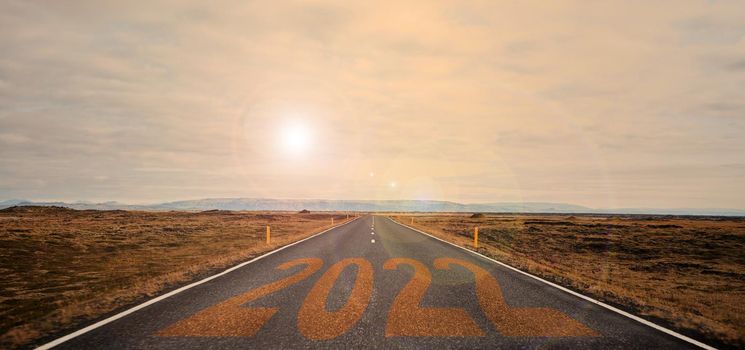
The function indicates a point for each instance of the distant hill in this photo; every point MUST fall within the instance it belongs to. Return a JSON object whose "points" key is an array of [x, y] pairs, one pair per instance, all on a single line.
{"points": [[370, 205], [363, 205]]}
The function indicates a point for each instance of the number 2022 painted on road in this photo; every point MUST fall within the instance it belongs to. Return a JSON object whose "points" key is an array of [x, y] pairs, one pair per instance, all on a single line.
{"points": [[405, 318]]}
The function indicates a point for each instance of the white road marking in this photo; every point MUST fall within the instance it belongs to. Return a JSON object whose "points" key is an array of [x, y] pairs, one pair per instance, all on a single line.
{"points": [[61, 340], [372, 241], [611, 308], [372, 233]]}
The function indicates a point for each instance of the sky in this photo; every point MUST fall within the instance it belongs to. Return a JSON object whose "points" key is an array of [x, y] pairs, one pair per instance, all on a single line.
{"points": [[607, 104]]}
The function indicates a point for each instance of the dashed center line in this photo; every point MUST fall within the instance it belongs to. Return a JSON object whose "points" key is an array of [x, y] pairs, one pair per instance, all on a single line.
{"points": [[372, 240]]}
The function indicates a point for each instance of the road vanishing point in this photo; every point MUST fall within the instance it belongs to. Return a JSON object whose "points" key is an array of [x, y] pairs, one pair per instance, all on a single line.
{"points": [[371, 283]]}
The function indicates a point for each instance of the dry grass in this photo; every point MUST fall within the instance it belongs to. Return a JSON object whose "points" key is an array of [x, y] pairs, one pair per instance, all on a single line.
{"points": [[60, 267], [688, 272]]}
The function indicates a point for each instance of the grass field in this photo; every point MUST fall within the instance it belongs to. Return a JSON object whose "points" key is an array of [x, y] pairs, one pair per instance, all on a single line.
{"points": [[60, 267], [688, 272]]}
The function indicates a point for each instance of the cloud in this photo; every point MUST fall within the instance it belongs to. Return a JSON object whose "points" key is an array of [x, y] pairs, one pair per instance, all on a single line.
{"points": [[736, 66], [482, 101]]}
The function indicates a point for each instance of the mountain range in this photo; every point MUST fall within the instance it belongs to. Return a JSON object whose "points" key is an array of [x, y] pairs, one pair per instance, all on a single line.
{"points": [[371, 206]]}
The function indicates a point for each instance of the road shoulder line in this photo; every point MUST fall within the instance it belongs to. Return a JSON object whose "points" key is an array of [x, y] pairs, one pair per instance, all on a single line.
{"points": [[105, 321], [582, 296]]}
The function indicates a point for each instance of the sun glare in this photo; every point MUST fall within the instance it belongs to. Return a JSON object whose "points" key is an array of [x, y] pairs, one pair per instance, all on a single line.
{"points": [[295, 138]]}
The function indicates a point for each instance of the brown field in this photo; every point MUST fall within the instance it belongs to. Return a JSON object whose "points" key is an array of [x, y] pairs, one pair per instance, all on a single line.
{"points": [[688, 272], [61, 267]]}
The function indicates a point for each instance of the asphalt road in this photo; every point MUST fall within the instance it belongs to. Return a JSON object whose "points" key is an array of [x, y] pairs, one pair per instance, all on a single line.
{"points": [[394, 288]]}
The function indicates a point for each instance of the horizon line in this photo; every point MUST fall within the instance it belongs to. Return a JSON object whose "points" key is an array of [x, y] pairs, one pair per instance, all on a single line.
{"points": [[81, 201]]}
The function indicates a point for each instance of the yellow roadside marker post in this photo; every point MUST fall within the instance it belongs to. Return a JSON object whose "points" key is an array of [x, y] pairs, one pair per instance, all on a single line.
{"points": [[268, 235], [412, 220], [332, 221], [476, 237]]}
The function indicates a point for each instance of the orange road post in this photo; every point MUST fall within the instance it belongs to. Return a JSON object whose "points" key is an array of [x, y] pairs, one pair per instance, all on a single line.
{"points": [[268, 235], [332, 221], [476, 237], [412, 220]]}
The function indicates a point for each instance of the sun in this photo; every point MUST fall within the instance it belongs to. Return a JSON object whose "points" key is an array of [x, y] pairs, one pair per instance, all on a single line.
{"points": [[296, 137]]}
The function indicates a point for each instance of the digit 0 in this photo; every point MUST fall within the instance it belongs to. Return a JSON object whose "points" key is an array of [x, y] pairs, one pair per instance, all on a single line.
{"points": [[314, 322]]}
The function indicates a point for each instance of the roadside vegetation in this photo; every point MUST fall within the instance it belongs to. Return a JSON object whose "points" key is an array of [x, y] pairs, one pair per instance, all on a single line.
{"points": [[61, 267], [687, 272]]}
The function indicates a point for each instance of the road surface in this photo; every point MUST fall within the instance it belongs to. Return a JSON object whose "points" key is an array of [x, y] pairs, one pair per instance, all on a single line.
{"points": [[373, 283]]}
